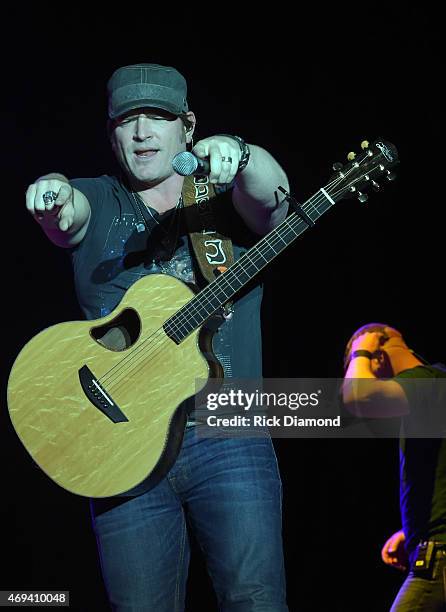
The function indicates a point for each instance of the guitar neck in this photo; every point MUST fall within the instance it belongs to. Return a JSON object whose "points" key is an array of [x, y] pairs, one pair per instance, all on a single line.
{"points": [[193, 314]]}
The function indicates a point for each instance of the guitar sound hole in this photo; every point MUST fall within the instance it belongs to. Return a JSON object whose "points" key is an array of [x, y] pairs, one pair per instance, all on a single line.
{"points": [[119, 334]]}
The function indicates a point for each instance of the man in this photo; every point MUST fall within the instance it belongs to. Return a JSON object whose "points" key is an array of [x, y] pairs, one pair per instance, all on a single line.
{"points": [[385, 378], [120, 228]]}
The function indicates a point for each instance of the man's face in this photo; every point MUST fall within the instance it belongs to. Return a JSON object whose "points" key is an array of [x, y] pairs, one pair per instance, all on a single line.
{"points": [[145, 142]]}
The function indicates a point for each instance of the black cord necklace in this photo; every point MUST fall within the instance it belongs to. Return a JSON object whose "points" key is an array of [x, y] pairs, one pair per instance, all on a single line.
{"points": [[170, 239]]}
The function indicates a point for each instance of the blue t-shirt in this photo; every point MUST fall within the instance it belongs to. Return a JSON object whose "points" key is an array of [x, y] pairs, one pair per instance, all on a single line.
{"points": [[125, 242]]}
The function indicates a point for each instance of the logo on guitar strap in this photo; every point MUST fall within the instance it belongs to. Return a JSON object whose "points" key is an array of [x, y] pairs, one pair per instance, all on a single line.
{"points": [[218, 257]]}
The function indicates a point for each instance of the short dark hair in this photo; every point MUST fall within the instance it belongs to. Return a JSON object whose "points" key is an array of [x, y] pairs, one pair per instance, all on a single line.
{"points": [[368, 327]]}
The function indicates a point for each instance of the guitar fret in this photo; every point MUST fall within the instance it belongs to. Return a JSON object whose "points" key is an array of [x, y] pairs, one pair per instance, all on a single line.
{"points": [[251, 262], [279, 236], [259, 253], [329, 198]]}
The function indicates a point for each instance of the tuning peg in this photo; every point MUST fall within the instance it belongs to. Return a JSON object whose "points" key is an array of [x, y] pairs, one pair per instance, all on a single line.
{"points": [[390, 176], [362, 197], [337, 166], [351, 156], [376, 186], [364, 144]]}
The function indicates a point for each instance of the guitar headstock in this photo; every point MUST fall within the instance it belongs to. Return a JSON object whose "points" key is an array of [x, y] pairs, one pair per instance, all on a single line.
{"points": [[363, 171]]}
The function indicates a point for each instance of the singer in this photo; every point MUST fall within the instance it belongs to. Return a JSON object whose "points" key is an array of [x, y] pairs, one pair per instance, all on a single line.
{"points": [[145, 220]]}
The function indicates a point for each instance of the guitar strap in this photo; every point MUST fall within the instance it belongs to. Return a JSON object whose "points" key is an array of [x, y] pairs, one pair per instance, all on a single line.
{"points": [[213, 251]]}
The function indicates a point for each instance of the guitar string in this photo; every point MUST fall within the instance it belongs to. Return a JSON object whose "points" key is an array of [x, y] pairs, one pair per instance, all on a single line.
{"points": [[158, 347], [307, 207], [152, 338]]}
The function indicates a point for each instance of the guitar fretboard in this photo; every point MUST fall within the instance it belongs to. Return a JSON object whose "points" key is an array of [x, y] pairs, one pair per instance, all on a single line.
{"points": [[193, 314]]}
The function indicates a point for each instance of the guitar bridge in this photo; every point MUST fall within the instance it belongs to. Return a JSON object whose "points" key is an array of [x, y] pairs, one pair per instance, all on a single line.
{"points": [[98, 397]]}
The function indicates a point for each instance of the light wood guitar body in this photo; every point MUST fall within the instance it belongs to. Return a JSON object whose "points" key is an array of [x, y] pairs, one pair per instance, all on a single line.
{"points": [[72, 440]]}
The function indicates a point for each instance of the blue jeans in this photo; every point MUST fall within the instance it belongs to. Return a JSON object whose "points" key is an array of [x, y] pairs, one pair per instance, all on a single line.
{"points": [[419, 594], [228, 491]]}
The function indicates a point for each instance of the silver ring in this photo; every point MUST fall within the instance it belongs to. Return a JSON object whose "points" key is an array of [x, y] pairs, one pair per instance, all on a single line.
{"points": [[49, 197], [227, 159]]}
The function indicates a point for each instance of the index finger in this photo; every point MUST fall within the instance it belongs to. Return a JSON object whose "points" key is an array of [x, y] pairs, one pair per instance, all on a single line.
{"points": [[65, 193], [201, 149]]}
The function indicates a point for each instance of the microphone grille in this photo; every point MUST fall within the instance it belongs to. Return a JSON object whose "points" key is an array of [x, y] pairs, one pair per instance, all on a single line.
{"points": [[185, 163]]}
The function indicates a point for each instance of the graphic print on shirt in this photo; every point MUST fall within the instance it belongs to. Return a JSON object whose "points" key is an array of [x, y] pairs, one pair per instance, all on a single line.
{"points": [[128, 255]]}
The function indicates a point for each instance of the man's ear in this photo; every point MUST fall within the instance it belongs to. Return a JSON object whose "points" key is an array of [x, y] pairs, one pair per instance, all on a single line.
{"points": [[190, 128]]}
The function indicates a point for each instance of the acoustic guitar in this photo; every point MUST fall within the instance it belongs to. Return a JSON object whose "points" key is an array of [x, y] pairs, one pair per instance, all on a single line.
{"points": [[99, 421]]}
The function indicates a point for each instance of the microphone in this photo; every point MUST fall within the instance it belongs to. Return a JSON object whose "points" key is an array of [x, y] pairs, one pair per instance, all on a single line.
{"points": [[186, 164]]}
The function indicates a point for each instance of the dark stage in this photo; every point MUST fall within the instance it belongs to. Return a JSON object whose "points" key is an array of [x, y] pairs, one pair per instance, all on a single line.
{"points": [[309, 87]]}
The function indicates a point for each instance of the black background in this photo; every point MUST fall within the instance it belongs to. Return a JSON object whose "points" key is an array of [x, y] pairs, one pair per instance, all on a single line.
{"points": [[308, 84]]}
